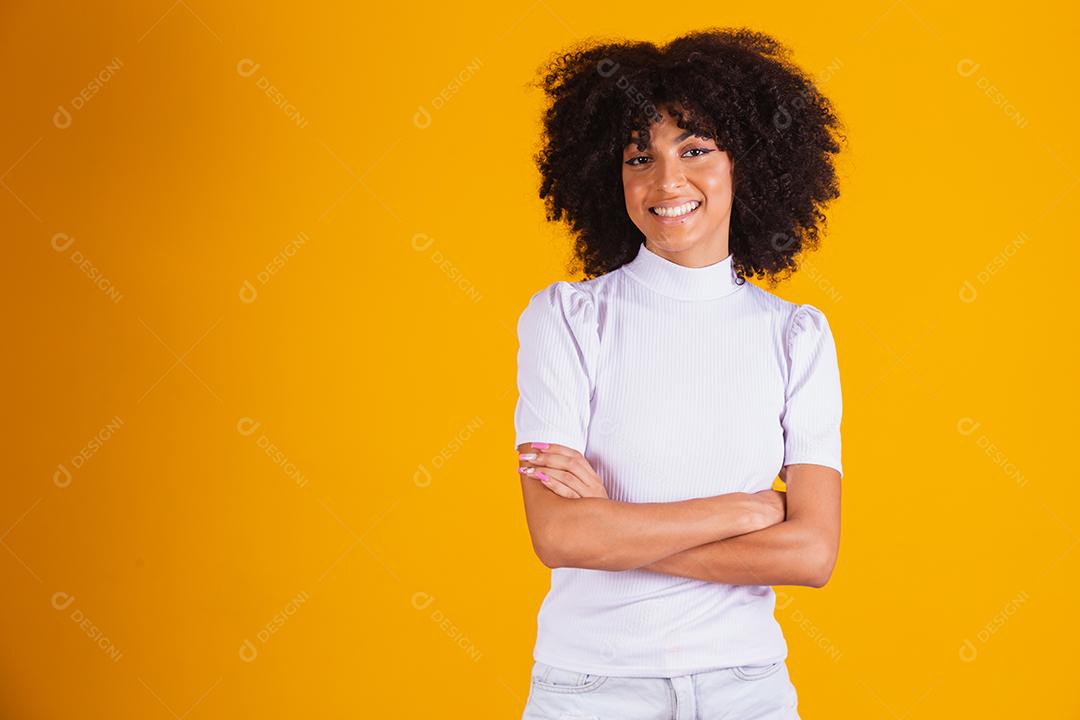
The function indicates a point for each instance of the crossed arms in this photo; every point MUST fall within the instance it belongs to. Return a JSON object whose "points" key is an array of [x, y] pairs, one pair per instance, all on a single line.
{"points": [[737, 538]]}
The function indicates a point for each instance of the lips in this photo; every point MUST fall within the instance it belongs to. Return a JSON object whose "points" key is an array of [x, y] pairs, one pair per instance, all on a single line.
{"points": [[668, 213], [674, 203]]}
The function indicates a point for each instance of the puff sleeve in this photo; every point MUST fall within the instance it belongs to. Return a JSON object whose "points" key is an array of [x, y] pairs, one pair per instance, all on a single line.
{"points": [[557, 348], [813, 404]]}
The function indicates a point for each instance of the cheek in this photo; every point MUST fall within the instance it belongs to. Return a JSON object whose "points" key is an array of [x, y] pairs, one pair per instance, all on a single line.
{"points": [[716, 186], [713, 177], [633, 192]]}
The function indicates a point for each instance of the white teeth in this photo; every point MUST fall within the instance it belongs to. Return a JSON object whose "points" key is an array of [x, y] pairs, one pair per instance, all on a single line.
{"points": [[676, 211]]}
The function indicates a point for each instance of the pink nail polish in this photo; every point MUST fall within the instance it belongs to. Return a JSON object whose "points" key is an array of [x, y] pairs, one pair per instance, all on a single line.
{"points": [[542, 476], [541, 445]]}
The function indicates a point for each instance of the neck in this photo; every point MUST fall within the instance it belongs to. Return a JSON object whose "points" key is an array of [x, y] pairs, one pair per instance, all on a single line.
{"points": [[712, 279], [697, 255]]}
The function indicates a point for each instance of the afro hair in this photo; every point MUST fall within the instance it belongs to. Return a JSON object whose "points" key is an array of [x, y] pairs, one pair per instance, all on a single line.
{"points": [[734, 85]]}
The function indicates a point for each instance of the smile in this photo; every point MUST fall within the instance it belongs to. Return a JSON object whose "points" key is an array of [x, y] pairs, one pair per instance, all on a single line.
{"points": [[676, 213]]}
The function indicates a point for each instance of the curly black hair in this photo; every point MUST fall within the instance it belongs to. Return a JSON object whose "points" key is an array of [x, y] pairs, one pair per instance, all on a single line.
{"points": [[734, 85]]}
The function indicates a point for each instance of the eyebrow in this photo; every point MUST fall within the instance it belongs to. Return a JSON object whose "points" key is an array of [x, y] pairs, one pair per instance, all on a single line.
{"points": [[679, 139]]}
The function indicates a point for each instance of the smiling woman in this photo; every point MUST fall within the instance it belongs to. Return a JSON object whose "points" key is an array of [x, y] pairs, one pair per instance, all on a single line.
{"points": [[661, 396], [680, 189], [752, 136]]}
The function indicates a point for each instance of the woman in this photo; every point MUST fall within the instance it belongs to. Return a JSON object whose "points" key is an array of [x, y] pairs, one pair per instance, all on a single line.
{"points": [[660, 397]]}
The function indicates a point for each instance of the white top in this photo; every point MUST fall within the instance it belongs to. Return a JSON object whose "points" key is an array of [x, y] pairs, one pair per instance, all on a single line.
{"points": [[675, 383]]}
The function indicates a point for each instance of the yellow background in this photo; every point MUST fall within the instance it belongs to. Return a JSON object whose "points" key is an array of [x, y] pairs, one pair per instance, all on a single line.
{"points": [[307, 504]]}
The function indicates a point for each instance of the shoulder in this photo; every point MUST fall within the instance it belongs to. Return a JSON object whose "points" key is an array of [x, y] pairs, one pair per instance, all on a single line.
{"points": [[809, 335], [563, 296], [797, 323], [807, 319], [561, 306], [779, 310], [577, 296]]}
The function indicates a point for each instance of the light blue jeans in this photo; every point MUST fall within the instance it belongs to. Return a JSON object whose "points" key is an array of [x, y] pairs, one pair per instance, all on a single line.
{"points": [[760, 692]]}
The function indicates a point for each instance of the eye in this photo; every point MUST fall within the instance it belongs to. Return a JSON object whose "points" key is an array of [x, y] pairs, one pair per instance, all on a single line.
{"points": [[702, 150]]}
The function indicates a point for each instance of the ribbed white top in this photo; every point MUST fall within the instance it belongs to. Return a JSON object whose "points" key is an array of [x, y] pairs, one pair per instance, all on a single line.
{"points": [[675, 383]]}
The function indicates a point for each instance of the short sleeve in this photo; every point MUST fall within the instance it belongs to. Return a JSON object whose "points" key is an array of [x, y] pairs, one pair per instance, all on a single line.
{"points": [[813, 404], [557, 347]]}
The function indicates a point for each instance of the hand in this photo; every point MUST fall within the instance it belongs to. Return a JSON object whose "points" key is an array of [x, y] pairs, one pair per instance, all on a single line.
{"points": [[772, 505], [567, 472]]}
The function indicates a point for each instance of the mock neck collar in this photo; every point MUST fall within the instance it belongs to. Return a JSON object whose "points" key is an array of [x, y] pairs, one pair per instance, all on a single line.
{"points": [[682, 282]]}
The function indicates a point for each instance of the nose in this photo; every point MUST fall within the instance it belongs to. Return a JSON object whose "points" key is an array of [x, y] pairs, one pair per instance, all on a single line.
{"points": [[670, 176]]}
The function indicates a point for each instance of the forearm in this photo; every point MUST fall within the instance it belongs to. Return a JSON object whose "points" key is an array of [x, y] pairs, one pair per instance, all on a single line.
{"points": [[605, 534], [787, 553]]}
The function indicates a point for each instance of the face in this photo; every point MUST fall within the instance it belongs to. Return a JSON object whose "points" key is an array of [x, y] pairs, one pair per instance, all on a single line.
{"points": [[677, 170]]}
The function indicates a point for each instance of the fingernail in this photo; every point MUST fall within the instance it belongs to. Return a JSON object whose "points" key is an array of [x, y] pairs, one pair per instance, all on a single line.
{"points": [[525, 470], [541, 446], [526, 456], [542, 476]]}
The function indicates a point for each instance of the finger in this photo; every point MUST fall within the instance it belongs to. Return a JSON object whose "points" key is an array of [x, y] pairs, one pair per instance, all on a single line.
{"points": [[527, 453], [561, 457], [580, 474], [552, 448], [568, 479], [555, 480], [570, 463], [555, 485]]}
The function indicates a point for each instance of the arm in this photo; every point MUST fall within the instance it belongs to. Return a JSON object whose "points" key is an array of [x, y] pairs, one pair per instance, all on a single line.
{"points": [[558, 352], [595, 532], [802, 550]]}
